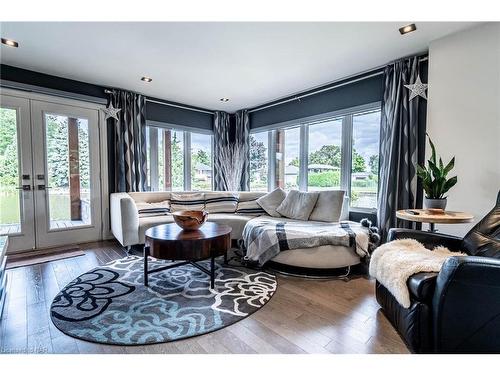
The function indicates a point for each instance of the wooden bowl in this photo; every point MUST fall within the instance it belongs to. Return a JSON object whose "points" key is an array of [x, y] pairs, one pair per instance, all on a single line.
{"points": [[190, 219]]}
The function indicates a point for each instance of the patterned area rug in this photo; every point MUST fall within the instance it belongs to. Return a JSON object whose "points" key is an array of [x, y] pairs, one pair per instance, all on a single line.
{"points": [[110, 304]]}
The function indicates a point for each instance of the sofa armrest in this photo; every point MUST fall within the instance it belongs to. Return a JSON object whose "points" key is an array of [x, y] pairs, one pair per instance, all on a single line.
{"points": [[429, 239], [466, 305], [124, 219]]}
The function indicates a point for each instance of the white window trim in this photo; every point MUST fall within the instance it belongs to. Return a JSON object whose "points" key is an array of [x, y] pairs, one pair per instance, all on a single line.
{"points": [[152, 127], [346, 146]]}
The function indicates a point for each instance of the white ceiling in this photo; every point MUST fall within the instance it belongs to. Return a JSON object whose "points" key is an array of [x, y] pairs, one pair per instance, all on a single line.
{"points": [[199, 63]]}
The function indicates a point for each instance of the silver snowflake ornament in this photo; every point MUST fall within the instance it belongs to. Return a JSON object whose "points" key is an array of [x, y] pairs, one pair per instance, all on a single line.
{"points": [[111, 112], [417, 89]]}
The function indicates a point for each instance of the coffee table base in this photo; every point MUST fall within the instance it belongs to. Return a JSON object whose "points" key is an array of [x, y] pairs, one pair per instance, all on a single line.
{"points": [[210, 272]]}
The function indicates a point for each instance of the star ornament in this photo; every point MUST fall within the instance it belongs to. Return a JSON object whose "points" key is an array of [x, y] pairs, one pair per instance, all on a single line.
{"points": [[111, 112], [417, 89]]}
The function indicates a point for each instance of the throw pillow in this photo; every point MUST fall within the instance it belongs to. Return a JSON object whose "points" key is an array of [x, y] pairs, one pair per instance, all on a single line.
{"points": [[221, 202], [271, 201], [250, 208], [180, 201], [329, 206], [298, 205]]}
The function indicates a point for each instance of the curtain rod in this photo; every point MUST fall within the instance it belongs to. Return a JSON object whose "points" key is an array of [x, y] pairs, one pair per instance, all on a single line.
{"points": [[108, 91], [334, 86]]}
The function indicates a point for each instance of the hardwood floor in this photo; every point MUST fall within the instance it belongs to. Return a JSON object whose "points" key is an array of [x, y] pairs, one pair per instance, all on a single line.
{"points": [[304, 316]]}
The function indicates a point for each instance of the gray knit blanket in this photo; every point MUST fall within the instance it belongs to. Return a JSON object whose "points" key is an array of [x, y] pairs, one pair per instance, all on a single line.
{"points": [[265, 237]]}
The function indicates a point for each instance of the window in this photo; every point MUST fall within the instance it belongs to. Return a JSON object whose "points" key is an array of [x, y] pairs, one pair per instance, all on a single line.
{"points": [[287, 158], [171, 152], [259, 144], [201, 161], [324, 155], [365, 151], [336, 152]]}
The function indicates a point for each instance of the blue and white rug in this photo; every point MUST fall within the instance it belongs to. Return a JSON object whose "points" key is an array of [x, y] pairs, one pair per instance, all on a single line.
{"points": [[111, 305]]}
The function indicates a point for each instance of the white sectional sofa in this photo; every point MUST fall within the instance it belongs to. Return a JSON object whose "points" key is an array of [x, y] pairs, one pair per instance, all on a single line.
{"points": [[130, 219]]}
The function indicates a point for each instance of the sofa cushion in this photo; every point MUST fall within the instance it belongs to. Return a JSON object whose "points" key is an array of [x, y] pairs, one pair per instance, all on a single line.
{"points": [[223, 202], [153, 209], [187, 201], [236, 222], [298, 205], [422, 285], [328, 206], [250, 208], [271, 201]]}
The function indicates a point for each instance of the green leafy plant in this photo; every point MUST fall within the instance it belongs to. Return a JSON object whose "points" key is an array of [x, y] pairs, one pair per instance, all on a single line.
{"points": [[434, 178]]}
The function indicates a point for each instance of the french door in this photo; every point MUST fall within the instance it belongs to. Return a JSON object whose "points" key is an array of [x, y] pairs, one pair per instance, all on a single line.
{"points": [[49, 185]]}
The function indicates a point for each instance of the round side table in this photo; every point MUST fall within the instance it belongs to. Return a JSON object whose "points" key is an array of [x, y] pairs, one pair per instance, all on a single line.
{"points": [[433, 218]]}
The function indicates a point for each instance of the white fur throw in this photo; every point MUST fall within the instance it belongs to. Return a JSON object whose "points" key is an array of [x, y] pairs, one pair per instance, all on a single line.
{"points": [[394, 262]]}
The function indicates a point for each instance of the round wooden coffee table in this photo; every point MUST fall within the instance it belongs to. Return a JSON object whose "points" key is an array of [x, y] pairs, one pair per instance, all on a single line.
{"points": [[170, 242], [431, 217]]}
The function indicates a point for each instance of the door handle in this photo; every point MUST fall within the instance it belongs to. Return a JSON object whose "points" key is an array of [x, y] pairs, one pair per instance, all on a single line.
{"points": [[24, 187], [43, 187]]}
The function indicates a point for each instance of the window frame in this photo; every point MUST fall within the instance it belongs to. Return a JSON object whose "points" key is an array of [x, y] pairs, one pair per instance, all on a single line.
{"points": [[347, 141], [152, 129]]}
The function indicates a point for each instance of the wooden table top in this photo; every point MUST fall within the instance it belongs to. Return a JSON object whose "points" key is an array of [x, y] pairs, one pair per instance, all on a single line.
{"points": [[426, 216], [172, 232], [169, 241]]}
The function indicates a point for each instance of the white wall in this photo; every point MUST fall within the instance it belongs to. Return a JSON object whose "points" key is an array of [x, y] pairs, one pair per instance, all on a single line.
{"points": [[463, 116]]}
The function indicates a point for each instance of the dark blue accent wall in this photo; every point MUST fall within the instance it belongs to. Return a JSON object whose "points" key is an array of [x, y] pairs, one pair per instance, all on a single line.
{"points": [[154, 111], [365, 91], [178, 116]]}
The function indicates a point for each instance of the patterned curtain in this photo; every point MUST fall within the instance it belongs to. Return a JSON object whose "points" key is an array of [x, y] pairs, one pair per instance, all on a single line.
{"points": [[127, 142], [231, 151], [400, 144]]}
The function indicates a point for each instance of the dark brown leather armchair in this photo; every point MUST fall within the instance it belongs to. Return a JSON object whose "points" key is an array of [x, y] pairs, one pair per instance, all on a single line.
{"points": [[458, 309]]}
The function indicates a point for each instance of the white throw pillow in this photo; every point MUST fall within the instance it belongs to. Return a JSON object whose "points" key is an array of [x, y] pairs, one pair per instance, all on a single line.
{"points": [[223, 202], [298, 205], [271, 201], [329, 206], [187, 201]]}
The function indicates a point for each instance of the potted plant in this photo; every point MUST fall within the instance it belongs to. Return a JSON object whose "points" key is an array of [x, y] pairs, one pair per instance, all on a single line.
{"points": [[435, 181]]}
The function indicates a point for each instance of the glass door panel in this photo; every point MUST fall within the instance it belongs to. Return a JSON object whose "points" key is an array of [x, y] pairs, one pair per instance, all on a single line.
{"points": [[16, 195], [67, 172]]}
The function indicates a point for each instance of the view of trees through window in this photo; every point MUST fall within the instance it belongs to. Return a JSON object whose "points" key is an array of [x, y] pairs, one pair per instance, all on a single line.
{"points": [[166, 155], [9, 175], [259, 144], [365, 151], [201, 161]]}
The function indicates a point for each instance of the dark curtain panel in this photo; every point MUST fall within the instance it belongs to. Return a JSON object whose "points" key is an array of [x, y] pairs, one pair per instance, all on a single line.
{"points": [[401, 144], [231, 151], [127, 142]]}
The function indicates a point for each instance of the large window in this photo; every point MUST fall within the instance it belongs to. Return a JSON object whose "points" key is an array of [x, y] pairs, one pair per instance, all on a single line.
{"points": [[259, 144], [171, 152], [336, 152]]}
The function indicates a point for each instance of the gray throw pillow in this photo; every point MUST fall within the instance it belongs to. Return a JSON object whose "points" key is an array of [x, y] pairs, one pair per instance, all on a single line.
{"points": [[298, 205], [271, 201], [329, 206]]}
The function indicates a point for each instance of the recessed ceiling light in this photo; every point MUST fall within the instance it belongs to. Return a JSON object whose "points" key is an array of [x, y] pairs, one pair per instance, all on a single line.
{"points": [[10, 42], [407, 29], [146, 79], [224, 99]]}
